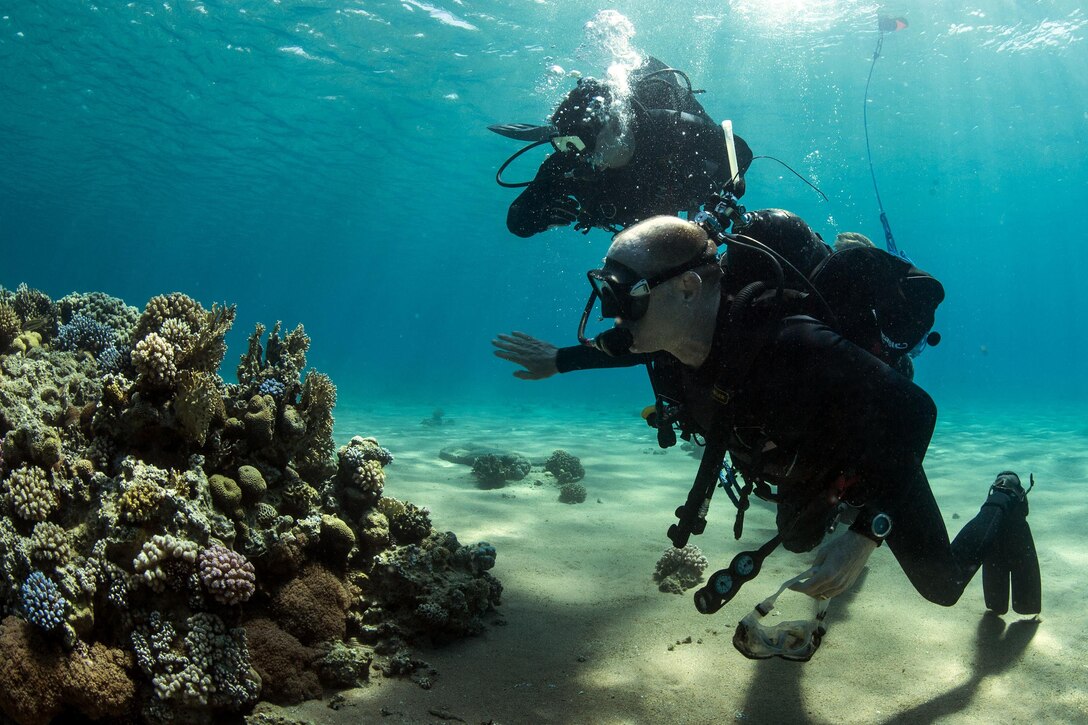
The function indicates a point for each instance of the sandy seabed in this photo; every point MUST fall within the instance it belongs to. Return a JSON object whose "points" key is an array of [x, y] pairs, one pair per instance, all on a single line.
{"points": [[584, 636]]}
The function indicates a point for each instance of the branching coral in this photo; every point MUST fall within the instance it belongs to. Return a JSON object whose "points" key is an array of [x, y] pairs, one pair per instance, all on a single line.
{"points": [[10, 325], [227, 575], [175, 331], [153, 563], [680, 569], [494, 470], [207, 666], [84, 333], [276, 368], [35, 309], [102, 308], [32, 493], [49, 546], [408, 523], [369, 480], [139, 501], [572, 492], [153, 358], [43, 604]]}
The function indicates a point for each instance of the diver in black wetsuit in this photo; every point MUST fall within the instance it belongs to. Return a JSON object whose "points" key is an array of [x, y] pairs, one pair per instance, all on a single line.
{"points": [[618, 160], [800, 407]]}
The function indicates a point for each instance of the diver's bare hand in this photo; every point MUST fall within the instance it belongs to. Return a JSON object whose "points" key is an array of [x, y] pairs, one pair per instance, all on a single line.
{"points": [[838, 564], [536, 356]]}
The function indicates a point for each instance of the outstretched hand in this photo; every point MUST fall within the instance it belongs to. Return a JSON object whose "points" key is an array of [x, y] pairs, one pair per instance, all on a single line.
{"points": [[838, 564], [535, 356]]}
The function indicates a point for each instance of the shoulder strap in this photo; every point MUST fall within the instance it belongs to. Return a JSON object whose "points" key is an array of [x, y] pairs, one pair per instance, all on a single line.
{"points": [[745, 339]]}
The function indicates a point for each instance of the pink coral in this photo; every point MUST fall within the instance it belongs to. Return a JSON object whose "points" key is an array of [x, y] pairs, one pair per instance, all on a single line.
{"points": [[226, 574]]}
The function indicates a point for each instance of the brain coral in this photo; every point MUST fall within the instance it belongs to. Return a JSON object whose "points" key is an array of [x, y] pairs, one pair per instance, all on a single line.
{"points": [[251, 483], [227, 575]]}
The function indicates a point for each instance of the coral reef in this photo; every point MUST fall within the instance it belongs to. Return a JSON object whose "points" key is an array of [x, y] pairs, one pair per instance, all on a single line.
{"points": [[680, 569], [174, 548], [572, 493], [493, 471], [565, 467]]}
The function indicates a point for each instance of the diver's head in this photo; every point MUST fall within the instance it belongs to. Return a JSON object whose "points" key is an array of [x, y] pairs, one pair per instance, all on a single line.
{"points": [[588, 123], [659, 284]]}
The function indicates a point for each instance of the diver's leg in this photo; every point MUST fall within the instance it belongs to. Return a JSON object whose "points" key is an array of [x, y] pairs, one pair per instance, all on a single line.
{"points": [[940, 570], [1013, 557]]}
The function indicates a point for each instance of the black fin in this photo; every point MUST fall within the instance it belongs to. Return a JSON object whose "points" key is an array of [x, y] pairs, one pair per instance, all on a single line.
{"points": [[995, 580], [524, 131], [1023, 563], [1014, 561]]}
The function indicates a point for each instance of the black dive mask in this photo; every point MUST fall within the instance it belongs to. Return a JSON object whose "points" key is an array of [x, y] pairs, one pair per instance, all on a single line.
{"points": [[625, 294]]}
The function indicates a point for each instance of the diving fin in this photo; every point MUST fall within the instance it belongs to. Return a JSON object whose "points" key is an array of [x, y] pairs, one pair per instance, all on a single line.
{"points": [[524, 131], [1014, 562]]}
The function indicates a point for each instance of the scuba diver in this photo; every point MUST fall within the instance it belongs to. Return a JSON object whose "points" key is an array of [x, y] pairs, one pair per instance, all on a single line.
{"points": [[621, 157], [765, 367]]}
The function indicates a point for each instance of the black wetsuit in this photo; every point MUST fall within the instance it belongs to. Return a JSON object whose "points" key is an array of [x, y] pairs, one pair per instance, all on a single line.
{"points": [[821, 408], [679, 162]]}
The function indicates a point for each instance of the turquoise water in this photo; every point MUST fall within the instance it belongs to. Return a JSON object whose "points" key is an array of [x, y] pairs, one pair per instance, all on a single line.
{"points": [[329, 164]]}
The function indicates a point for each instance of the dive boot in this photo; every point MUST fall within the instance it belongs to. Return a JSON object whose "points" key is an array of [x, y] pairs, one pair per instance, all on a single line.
{"points": [[1013, 559]]}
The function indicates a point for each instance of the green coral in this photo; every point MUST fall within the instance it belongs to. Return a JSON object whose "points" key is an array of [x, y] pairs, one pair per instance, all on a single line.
{"points": [[260, 419], [252, 483], [10, 325], [140, 501], [227, 494], [337, 537], [197, 404]]}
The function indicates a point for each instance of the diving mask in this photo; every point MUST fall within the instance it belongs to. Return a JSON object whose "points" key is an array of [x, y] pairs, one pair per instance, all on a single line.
{"points": [[795, 640], [625, 294]]}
